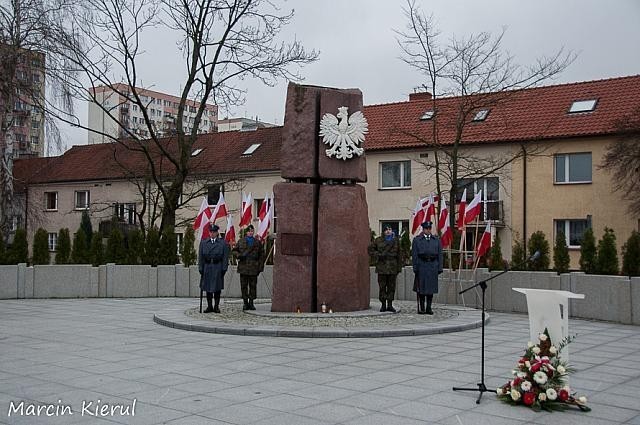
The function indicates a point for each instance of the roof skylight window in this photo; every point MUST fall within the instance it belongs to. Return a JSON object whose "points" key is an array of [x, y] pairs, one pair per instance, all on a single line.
{"points": [[583, 106], [481, 115], [427, 115], [251, 149], [196, 152]]}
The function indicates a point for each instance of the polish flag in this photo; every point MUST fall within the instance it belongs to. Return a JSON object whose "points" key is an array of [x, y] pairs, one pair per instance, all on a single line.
{"points": [[461, 209], [230, 235], [446, 236], [417, 217], [246, 215], [265, 223], [485, 241], [264, 208], [431, 207], [200, 225], [473, 209], [220, 209]]}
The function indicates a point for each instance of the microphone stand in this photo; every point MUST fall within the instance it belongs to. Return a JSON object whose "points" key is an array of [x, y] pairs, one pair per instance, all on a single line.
{"points": [[482, 388]]}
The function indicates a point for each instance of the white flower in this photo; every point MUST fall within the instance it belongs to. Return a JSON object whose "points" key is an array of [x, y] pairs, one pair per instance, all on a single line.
{"points": [[522, 374], [552, 394], [514, 372], [567, 389], [527, 364], [540, 377], [526, 386], [515, 395], [582, 400], [542, 397], [553, 349], [529, 344], [561, 370], [536, 350], [542, 337], [499, 391]]}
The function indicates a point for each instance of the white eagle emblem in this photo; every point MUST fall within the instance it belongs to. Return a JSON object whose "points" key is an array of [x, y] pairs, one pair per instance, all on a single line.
{"points": [[344, 136]]}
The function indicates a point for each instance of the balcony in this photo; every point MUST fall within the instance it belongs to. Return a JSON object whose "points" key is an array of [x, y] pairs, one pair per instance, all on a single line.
{"points": [[492, 211]]}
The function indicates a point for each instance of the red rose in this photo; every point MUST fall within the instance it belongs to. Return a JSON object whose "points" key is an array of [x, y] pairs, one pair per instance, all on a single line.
{"points": [[529, 398], [563, 395], [535, 367]]}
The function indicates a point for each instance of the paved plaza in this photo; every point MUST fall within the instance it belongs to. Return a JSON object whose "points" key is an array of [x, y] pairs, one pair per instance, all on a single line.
{"points": [[109, 352]]}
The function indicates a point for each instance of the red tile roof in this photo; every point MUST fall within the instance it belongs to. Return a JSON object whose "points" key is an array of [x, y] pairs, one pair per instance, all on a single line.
{"points": [[532, 114]]}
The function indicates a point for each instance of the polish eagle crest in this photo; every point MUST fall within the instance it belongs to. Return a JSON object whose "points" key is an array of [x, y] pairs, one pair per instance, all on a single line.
{"points": [[343, 133]]}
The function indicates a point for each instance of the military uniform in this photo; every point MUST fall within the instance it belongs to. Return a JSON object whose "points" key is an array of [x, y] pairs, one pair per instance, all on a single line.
{"points": [[388, 257], [213, 261], [427, 260], [250, 265]]}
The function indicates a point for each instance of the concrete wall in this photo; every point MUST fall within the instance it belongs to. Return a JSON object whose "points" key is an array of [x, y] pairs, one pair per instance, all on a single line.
{"points": [[610, 298]]}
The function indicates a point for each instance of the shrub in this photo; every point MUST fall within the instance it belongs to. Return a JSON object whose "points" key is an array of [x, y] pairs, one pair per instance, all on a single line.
{"points": [[588, 252], [561, 258], [188, 252], [405, 248], [63, 250], [518, 255], [607, 257], [85, 226], [96, 252], [135, 247], [19, 251], [152, 244], [631, 255], [115, 247], [538, 242], [496, 262], [41, 247], [3, 251], [168, 253], [80, 251]]}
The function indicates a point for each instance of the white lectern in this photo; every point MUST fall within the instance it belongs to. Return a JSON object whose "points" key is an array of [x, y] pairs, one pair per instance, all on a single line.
{"points": [[549, 309]]}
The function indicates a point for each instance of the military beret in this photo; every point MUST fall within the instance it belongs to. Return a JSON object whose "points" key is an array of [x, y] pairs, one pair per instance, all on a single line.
{"points": [[387, 227], [250, 228], [214, 227], [427, 224]]}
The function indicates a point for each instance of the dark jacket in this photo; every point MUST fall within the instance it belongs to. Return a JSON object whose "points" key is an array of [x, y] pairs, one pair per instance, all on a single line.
{"points": [[427, 260], [213, 261], [250, 258], [387, 254]]}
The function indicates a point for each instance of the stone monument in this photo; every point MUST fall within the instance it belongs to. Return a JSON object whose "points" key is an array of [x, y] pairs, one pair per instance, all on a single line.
{"points": [[323, 225]]}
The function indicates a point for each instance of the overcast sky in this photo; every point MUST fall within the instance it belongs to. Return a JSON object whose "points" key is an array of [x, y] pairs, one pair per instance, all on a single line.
{"points": [[358, 47]]}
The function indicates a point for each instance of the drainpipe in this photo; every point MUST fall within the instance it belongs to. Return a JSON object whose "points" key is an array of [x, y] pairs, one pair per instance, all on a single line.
{"points": [[524, 198]]}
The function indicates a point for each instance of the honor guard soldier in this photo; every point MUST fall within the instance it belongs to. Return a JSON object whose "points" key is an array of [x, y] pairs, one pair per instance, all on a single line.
{"points": [[213, 261], [250, 264], [427, 260], [388, 257]]}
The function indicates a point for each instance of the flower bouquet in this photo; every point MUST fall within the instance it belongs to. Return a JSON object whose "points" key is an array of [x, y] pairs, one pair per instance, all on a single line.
{"points": [[539, 380]]}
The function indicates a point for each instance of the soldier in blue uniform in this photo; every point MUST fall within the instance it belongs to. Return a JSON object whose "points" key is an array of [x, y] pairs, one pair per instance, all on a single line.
{"points": [[427, 260], [213, 261]]}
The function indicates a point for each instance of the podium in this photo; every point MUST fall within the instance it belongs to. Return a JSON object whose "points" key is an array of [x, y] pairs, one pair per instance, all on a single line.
{"points": [[549, 309]]}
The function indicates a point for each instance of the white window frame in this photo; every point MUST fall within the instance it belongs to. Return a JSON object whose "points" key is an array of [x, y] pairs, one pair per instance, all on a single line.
{"points": [[400, 223], [75, 199], [46, 201], [403, 184], [566, 231], [52, 242], [179, 241], [567, 163]]}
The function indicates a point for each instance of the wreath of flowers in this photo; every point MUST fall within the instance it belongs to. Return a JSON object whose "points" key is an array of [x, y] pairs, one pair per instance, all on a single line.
{"points": [[539, 380]]}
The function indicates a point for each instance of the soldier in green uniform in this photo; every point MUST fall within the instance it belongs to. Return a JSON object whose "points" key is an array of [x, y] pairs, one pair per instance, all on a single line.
{"points": [[386, 249], [250, 264]]}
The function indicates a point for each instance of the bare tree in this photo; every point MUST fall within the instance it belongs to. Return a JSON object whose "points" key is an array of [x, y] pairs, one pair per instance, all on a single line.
{"points": [[473, 73], [31, 30], [223, 41], [622, 159]]}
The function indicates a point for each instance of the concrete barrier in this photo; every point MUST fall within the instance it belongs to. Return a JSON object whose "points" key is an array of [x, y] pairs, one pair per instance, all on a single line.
{"points": [[8, 282], [64, 281], [606, 298], [635, 300]]}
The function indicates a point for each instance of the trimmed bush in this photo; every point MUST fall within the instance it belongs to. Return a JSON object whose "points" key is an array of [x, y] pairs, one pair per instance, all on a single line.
{"points": [[496, 262], [135, 247], [538, 242], [3, 251], [168, 251], [41, 247], [96, 252], [518, 255], [631, 255], [85, 225], [607, 258], [80, 250], [588, 252], [188, 252], [405, 248], [63, 250], [115, 247], [19, 251], [151, 247], [561, 258]]}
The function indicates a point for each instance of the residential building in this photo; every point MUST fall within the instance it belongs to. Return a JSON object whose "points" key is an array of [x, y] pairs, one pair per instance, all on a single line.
{"points": [[539, 153], [25, 115], [241, 124], [111, 112]]}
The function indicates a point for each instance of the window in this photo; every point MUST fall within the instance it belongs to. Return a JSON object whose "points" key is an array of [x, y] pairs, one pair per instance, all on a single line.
{"points": [[135, 108], [583, 106], [395, 175], [427, 115], [82, 199], [491, 203], [196, 152], [573, 168], [213, 194], [573, 231], [35, 140], [251, 149], [126, 213], [179, 239], [53, 241], [51, 201], [35, 124], [481, 115], [398, 226]]}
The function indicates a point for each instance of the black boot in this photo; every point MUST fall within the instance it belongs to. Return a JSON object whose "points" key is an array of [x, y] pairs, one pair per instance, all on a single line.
{"points": [[216, 308], [421, 309], [429, 300], [251, 306], [245, 304], [390, 306], [209, 305], [384, 306]]}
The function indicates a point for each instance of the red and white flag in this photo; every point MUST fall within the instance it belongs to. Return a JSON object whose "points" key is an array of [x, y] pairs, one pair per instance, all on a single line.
{"points": [[200, 225], [485, 241], [264, 208], [220, 210], [431, 207], [265, 222], [230, 234], [473, 209], [246, 215], [461, 210], [446, 236], [417, 217]]}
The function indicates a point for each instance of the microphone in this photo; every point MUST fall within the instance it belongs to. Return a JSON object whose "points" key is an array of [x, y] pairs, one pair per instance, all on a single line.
{"points": [[535, 256]]}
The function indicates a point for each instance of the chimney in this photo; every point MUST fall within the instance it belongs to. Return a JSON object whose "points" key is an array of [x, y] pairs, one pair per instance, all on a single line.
{"points": [[424, 95]]}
